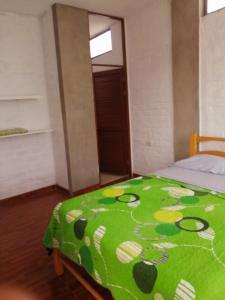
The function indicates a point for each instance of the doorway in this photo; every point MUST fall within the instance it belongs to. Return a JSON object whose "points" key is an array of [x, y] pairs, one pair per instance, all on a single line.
{"points": [[108, 56]]}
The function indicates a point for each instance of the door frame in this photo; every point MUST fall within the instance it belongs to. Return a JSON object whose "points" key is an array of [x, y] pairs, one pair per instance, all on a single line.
{"points": [[126, 94]]}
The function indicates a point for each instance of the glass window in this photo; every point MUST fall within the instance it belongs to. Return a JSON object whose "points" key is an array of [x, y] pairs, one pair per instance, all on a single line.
{"points": [[213, 5], [101, 44]]}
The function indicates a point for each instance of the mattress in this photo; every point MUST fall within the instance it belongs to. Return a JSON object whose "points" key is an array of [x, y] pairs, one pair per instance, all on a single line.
{"points": [[202, 179], [147, 238]]}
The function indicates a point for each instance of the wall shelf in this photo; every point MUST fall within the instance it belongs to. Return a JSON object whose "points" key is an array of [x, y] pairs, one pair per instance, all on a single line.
{"points": [[31, 132], [15, 98]]}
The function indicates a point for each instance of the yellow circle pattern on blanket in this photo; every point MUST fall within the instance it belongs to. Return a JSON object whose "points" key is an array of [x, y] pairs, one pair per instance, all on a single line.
{"points": [[168, 216], [113, 192]]}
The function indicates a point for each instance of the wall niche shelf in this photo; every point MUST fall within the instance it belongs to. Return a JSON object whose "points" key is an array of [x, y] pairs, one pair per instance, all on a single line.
{"points": [[31, 132], [15, 98]]}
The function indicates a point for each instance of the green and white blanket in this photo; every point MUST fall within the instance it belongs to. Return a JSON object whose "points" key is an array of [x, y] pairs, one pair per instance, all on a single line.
{"points": [[147, 238]]}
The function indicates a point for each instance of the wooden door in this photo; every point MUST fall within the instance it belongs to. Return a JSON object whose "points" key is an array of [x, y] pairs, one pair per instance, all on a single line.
{"points": [[112, 121]]}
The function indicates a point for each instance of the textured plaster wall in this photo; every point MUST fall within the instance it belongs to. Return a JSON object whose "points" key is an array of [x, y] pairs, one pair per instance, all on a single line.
{"points": [[212, 74], [185, 22], [149, 49], [26, 162], [52, 84]]}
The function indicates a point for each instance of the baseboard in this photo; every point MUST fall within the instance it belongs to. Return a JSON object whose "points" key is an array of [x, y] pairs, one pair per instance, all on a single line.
{"points": [[62, 189], [134, 175], [35, 193], [43, 191]]}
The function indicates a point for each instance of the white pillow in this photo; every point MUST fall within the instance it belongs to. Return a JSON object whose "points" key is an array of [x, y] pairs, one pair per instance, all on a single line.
{"points": [[203, 163]]}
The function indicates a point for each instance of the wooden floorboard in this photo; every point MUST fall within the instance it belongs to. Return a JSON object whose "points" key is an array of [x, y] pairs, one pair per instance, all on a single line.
{"points": [[23, 260]]}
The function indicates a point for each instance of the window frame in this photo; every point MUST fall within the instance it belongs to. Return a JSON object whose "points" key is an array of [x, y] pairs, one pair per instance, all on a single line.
{"points": [[97, 35]]}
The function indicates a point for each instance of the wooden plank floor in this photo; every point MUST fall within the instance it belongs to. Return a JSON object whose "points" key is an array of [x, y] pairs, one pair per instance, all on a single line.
{"points": [[23, 259]]}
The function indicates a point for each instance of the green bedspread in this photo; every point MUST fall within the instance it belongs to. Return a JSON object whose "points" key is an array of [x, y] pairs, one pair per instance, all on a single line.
{"points": [[147, 238]]}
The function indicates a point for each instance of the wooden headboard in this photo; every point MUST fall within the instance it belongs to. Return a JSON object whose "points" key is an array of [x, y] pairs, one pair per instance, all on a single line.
{"points": [[196, 139]]}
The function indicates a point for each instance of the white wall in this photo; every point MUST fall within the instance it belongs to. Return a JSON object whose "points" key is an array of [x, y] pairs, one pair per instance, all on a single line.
{"points": [[22, 72], [149, 48], [54, 99], [26, 162], [212, 74]]}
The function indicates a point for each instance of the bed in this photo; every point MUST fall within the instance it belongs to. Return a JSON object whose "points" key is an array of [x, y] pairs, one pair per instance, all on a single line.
{"points": [[159, 236]]}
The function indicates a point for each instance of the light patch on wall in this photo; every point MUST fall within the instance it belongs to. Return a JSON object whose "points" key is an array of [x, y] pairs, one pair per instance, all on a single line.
{"points": [[213, 5], [101, 44], [212, 76]]}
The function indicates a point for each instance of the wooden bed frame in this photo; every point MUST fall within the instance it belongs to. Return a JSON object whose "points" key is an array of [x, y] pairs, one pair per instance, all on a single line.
{"points": [[196, 139], [60, 262]]}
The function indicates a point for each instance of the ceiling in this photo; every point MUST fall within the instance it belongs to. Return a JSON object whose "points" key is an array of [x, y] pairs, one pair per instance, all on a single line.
{"points": [[38, 7]]}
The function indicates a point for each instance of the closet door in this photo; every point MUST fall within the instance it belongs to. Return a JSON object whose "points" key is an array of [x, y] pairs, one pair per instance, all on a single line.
{"points": [[76, 88]]}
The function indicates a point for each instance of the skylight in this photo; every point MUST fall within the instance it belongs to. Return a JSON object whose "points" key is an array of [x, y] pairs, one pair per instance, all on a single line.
{"points": [[101, 44], [213, 5]]}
